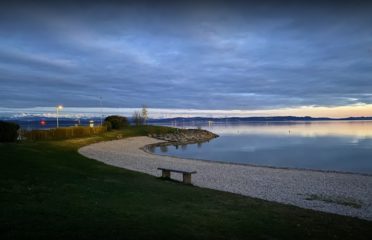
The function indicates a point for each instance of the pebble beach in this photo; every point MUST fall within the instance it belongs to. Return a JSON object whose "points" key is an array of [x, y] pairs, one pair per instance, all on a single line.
{"points": [[333, 192]]}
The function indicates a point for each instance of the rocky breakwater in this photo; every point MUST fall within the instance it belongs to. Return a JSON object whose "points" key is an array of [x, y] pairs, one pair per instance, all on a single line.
{"points": [[185, 136]]}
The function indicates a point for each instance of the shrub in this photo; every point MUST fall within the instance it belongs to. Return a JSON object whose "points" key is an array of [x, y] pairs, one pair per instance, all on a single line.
{"points": [[8, 131], [108, 125], [117, 122], [63, 133]]}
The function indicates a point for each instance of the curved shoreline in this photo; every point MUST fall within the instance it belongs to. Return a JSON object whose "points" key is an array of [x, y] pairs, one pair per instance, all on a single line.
{"points": [[303, 188], [145, 149]]}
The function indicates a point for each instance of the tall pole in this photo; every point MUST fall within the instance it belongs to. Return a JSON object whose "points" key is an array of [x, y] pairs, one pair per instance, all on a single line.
{"points": [[59, 107]]}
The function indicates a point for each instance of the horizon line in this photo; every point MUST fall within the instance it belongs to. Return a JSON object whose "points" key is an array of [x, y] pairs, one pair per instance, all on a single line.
{"points": [[356, 110]]}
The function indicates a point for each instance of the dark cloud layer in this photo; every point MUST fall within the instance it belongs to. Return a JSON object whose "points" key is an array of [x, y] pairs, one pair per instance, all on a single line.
{"points": [[207, 55]]}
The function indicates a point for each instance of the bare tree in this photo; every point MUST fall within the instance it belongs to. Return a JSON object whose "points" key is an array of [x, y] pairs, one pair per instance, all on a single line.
{"points": [[144, 114], [137, 118]]}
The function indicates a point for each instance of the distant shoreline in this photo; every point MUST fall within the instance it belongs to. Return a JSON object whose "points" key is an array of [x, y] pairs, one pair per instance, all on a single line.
{"points": [[244, 119], [33, 122]]}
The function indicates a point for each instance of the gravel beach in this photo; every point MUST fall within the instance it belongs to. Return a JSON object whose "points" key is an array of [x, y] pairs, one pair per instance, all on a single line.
{"points": [[340, 193]]}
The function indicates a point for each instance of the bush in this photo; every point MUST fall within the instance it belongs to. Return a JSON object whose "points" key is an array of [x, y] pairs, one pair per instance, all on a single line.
{"points": [[108, 125], [8, 131], [117, 122], [63, 133]]}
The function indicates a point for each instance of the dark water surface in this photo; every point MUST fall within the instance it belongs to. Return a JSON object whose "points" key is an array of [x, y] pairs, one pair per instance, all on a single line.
{"points": [[336, 146]]}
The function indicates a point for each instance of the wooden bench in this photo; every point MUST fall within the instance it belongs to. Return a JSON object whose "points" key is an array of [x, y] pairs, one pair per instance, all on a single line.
{"points": [[166, 173]]}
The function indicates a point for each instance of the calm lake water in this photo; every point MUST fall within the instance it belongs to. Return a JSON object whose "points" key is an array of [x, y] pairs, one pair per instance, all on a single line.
{"points": [[336, 146]]}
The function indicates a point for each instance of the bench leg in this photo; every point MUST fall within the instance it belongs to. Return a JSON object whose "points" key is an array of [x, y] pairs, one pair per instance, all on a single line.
{"points": [[165, 174], [187, 178]]}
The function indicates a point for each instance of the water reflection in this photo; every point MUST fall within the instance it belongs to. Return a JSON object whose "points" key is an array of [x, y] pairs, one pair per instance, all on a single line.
{"points": [[360, 129], [151, 148], [339, 146], [163, 148]]}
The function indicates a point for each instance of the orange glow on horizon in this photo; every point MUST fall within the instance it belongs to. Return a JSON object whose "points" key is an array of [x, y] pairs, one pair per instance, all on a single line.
{"points": [[360, 110]]}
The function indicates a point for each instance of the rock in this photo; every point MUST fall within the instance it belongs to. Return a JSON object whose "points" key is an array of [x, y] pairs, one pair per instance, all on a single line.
{"points": [[186, 136]]}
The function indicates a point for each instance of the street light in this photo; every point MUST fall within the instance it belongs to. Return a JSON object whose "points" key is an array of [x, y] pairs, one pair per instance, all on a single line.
{"points": [[58, 108]]}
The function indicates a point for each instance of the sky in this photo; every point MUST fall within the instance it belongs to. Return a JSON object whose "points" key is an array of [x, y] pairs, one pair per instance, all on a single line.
{"points": [[207, 57]]}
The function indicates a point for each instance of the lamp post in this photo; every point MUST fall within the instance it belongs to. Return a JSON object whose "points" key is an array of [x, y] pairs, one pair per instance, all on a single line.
{"points": [[58, 108]]}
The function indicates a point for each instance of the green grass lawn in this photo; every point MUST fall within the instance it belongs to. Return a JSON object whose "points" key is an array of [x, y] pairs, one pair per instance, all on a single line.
{"points": [[49, 191]]}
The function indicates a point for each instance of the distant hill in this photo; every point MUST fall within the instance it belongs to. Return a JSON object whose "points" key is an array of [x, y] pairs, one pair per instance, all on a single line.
{"points": [[33, 122], [255, 119]]}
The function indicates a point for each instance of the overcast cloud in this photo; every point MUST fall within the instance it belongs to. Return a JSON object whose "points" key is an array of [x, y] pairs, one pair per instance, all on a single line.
{"points": [[201, 56]]}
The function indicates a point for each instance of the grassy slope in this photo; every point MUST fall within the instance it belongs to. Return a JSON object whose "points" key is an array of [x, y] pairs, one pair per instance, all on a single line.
{"points": [[49, 191]]}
